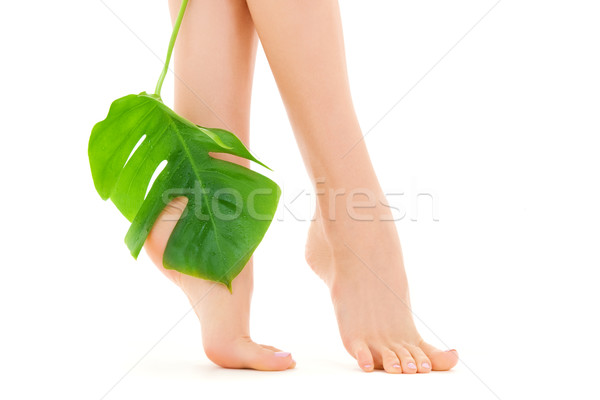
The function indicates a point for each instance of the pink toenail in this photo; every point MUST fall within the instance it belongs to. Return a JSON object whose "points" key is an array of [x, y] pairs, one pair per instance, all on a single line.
{"points": [[411, 365], [425, 365], [396, 366], [281, 354], [367, 366]]}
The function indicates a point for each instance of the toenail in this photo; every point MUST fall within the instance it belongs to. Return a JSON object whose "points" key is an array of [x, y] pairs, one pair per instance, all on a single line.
{"points": [[396, 366], [282, 354], [411, 365], [367, 366], [426, 365], [448, 351]]}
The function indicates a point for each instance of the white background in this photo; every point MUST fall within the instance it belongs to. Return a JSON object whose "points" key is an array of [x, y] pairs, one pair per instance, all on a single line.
{"points": [[503, 130]]}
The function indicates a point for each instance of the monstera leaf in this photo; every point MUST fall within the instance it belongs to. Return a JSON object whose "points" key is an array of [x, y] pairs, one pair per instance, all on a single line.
{"points": [[229, 207]]}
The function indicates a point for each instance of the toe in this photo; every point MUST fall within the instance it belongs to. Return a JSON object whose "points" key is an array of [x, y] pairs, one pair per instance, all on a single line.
{"points": [[409, 366], [390, 361], [421, 359], [263, 359], [278, 351], [440, 360], [264, 346], [363, 355], [247, 354]]}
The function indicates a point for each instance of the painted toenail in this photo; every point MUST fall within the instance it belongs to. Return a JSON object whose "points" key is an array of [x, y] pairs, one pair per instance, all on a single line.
{"points": [[411, 365], [396, 366], [426, 365], [282, 354]]}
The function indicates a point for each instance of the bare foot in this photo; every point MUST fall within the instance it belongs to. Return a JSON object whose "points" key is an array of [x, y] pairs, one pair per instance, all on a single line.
{"points": [[224, 317], [361, 262]]}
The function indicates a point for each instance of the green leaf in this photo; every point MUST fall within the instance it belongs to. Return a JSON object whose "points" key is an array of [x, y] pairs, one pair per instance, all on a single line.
{"points": [[229, 207]]}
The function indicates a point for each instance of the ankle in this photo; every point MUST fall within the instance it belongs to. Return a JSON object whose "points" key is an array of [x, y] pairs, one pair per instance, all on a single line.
{"points": [[342, 209]]}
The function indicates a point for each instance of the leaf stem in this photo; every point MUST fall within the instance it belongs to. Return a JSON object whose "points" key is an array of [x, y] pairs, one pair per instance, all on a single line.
{"points": [[171, 45]]}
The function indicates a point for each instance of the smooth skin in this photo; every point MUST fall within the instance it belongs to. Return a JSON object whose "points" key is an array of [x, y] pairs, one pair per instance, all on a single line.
{"points": [[358, 253]]}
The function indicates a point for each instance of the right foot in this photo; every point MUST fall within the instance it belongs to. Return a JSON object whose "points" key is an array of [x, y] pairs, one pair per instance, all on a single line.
{"points": [[361, 262], [224, 317]]}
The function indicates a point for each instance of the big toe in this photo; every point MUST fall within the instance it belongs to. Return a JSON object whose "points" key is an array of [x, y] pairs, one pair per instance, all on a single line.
{"points": [[266, 358], [440, 360], [247, 354]]}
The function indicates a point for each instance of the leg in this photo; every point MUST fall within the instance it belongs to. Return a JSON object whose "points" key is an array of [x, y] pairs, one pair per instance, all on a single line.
{"points": [[356, 252], [214, 63]]}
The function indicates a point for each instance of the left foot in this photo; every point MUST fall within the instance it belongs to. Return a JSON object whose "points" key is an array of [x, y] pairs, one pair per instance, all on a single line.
{"points": [[224, 317]]}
